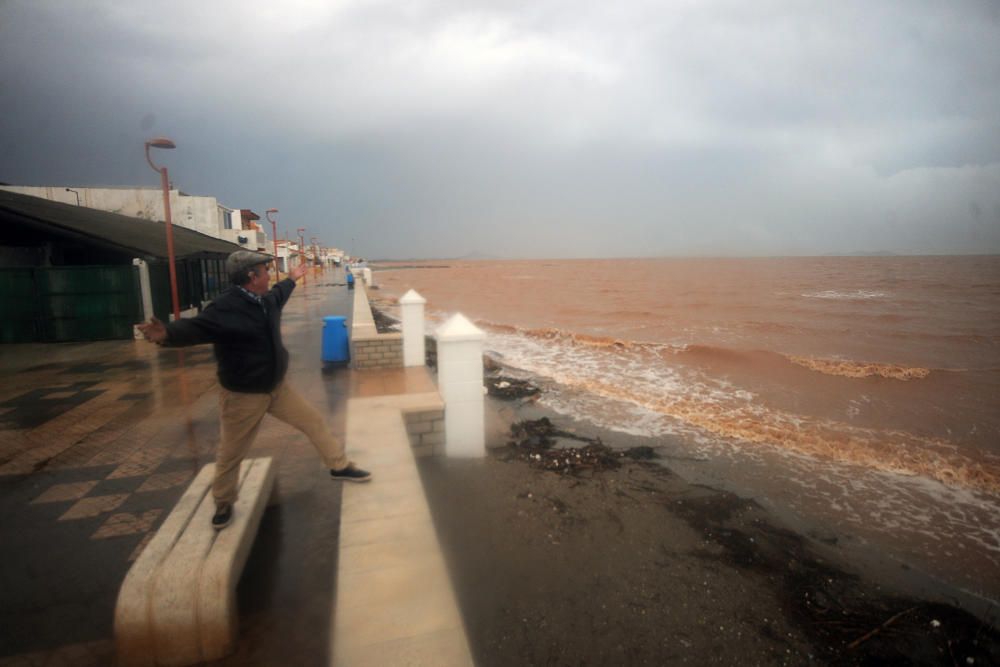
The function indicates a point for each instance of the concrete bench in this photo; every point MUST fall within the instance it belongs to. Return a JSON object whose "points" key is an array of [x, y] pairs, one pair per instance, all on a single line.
{"points": [[177, 605]]}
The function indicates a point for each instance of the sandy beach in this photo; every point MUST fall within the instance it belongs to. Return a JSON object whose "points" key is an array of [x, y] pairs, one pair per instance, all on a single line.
{"points": [[629, 563]]}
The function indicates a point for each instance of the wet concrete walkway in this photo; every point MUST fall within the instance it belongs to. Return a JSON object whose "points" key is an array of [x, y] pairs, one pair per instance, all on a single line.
{"points": [[97, 443]]}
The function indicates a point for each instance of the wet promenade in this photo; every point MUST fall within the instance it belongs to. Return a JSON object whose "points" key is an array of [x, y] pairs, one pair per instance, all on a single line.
{"points": [[97, 443]]}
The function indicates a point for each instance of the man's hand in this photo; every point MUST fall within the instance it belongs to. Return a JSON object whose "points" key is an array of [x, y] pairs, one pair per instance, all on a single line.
{"points": [[297, 272], [155, 331]]}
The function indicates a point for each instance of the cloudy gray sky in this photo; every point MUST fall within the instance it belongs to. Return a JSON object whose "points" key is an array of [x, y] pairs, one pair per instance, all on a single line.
{"points": [[542, 128]]}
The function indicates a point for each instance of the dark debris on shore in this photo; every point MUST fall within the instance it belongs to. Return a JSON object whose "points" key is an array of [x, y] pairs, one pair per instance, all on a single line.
{"points": [[501, 386], [535, 441], [848, 621], [385, 323]]}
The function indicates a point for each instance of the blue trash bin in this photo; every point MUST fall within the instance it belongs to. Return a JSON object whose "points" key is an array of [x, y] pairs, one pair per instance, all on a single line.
{"points": [[335, 346]]}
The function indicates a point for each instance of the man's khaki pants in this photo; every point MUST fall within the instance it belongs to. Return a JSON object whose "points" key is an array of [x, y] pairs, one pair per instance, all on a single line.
{"points": [[241, 415]]}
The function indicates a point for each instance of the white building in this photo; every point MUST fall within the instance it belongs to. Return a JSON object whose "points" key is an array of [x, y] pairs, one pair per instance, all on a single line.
{"points": [[202, 214]]}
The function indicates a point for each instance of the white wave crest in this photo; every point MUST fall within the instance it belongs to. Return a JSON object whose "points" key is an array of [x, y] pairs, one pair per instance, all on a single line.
{"points": [[860, 294]]}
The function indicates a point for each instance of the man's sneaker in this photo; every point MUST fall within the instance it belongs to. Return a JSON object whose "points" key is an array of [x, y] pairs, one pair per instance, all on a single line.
{"points": [[223, 513], [351, 474]]}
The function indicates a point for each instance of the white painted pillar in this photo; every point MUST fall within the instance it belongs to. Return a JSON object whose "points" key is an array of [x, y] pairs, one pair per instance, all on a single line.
{"points": [[460, 381], [412, 312], [144, 289], [368, 276]]}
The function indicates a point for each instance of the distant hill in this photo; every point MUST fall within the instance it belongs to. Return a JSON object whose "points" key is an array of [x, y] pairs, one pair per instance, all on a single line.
{"points": [[863, 253], [478, 255], [470, 256]]}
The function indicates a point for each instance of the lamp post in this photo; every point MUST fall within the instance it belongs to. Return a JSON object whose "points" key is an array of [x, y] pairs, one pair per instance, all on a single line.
{"points": [[163, 142], [302, 249], [274, 235], [76, 193]]}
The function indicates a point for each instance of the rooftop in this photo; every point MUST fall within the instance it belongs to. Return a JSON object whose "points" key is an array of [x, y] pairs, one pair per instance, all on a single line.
{"points": [[30, 219]]}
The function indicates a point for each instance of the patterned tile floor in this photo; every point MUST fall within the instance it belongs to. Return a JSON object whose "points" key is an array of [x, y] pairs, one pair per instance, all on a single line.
{"points": [[97, 443]]}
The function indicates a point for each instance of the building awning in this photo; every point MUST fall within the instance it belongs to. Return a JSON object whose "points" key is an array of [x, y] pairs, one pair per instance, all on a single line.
{"points": [[142, 238]]}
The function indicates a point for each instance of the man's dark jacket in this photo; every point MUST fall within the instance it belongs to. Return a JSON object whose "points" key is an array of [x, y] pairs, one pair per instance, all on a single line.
{"points": [[246, 337]]}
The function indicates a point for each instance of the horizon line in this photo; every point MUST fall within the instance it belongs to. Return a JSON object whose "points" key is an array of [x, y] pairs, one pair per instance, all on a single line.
{"points": [[852, 255]]}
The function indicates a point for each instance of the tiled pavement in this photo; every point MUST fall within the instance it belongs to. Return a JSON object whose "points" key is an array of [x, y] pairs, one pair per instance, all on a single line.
{"points": [[98, 441]]}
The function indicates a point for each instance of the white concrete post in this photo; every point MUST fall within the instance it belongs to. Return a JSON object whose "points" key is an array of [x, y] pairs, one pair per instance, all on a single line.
{"points": [[147, 293], [460, 381], [412, 311], [368, 276]]}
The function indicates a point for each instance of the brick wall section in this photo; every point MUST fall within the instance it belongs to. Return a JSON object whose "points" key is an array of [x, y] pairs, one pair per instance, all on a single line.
{"points": [[426, 431], [379, 351]]}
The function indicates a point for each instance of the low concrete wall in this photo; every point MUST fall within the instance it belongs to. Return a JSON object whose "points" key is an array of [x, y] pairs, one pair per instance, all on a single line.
{"points": [[369, 348], [426, 431]]}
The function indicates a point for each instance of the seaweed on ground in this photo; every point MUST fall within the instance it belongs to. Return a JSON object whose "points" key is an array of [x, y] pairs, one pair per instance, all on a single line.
{"points": [[535, 441], [501, 386]]}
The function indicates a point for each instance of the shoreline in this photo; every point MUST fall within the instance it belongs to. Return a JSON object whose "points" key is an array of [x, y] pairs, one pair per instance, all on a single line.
{"points": [[845, 551], [930, 614], [916, 557]]}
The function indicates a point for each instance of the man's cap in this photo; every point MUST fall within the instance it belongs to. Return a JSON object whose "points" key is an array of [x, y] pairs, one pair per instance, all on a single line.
{"points": [[244, 260]]}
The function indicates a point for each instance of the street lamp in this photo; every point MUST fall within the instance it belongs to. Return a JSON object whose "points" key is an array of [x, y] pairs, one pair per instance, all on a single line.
{"points": [[76, 193], [302, 250], [274, 235], [163, 142], [312, 239]]}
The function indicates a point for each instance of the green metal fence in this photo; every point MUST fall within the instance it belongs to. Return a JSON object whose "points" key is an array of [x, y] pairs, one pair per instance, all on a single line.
{"points": [[71, 303], [18, 303], [198, 281]]}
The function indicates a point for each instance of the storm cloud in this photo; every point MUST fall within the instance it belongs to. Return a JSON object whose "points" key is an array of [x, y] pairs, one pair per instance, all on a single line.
{"points": [[531, 129]]}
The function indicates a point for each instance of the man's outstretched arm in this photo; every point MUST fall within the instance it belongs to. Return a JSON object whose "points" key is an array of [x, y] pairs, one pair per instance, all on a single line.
{"points": [[205, 328]]}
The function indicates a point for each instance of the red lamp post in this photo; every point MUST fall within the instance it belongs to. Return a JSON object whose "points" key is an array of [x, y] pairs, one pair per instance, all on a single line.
{"points": [[274, 235], [302, 248], [163, 142]]}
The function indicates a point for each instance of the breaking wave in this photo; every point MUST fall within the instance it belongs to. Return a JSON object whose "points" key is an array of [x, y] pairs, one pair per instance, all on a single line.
{"points": [[860, 369], [853, 295], [837, 367], [569, 337], [887, 451], [648, 376]]}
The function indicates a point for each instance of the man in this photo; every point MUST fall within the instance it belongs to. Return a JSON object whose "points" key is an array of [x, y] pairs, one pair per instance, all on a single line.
{"points": [[244, 324]]}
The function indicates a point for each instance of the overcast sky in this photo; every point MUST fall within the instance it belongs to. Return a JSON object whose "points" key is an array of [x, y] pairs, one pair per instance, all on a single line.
{"points": [[572, 128]]}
